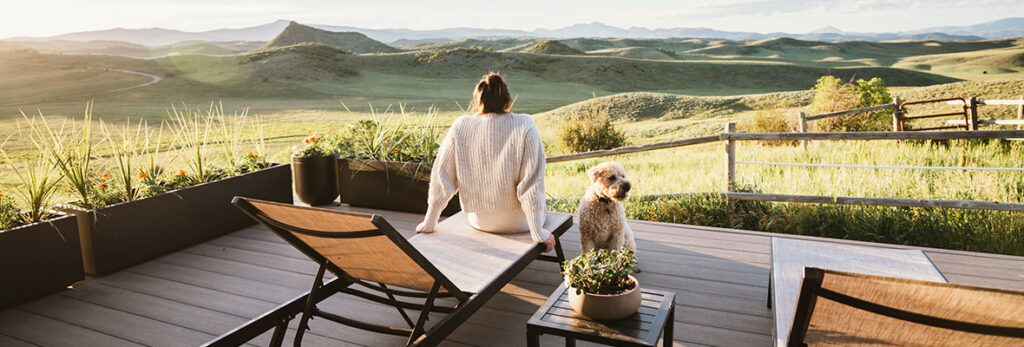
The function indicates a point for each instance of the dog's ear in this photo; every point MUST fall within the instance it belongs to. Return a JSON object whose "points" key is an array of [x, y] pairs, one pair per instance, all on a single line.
{"points": [[594, 172]]}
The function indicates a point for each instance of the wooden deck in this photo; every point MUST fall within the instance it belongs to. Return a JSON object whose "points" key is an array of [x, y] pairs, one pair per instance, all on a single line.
{"points": [[720, 277]]}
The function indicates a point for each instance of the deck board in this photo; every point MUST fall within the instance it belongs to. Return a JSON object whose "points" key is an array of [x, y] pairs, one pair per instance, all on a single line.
{"points": [[720, 277]]}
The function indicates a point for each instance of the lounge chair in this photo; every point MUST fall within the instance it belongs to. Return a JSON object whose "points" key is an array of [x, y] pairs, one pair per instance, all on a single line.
{"points": [[373, 261], [790, 257], [842, 308]]}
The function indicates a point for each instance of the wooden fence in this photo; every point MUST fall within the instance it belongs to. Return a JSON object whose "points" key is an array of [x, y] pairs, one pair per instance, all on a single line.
{"points": [[730, 137], [972, 105]]}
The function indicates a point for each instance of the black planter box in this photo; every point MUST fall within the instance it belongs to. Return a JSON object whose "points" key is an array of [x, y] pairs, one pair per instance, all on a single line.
{"points": [[387, 185], [38, 259], [119, 236]]}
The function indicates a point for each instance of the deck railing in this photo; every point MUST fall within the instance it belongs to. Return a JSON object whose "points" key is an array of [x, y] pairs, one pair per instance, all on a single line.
{"points": [[730, 137]]}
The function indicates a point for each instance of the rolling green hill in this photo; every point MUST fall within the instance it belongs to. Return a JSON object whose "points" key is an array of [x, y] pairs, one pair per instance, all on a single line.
{"points": [[296, 33], [551, 47], [495, 44], [647, 106]]}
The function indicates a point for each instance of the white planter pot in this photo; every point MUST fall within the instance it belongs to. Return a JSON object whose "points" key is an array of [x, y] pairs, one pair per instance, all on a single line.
{"points": [[606, 307]]}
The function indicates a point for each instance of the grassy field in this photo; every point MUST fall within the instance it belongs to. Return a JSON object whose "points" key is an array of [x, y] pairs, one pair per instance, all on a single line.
{"points": [[654, 90]]}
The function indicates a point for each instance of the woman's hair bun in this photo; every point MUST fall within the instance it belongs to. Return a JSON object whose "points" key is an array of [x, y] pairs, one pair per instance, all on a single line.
{"points": [[491, 95], [494, 79]]}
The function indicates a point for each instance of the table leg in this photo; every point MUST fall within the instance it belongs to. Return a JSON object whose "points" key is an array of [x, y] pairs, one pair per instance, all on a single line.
{"points": [[570, 342], [670, 325], [532, 338]]}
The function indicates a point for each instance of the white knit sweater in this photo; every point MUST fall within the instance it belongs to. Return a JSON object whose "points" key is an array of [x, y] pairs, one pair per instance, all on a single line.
{"points": [[496, 163]]}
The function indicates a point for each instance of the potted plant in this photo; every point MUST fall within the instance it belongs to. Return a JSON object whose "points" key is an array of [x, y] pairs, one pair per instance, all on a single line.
{"points": [[143, 211], [386, 162], [314, 167], [39, 249], [601, 285]]}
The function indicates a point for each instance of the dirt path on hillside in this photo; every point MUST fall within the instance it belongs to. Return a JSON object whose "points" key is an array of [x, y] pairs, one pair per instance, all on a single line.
{"points": [[155, 79]]}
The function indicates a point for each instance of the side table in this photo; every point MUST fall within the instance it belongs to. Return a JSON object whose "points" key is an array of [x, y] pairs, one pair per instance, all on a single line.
{"points": [[656, 313]]}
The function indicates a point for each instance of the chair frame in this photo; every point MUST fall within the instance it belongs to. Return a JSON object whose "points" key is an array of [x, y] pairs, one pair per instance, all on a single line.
{"points": [[811, 290], [305, 305]]}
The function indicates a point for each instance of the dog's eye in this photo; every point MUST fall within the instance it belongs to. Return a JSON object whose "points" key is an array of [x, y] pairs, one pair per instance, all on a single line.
{"points": [[611, 178]]}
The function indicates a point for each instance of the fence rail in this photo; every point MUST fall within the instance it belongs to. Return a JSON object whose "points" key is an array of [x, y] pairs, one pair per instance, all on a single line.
{"points": [[994, 102], [877, 135], [730, 136], [634, 149], [849, 112], [884, 166], [842, 200]]}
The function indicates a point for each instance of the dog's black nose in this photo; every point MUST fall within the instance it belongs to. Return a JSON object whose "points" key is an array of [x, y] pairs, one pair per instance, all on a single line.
{"points": [[626, 186]]}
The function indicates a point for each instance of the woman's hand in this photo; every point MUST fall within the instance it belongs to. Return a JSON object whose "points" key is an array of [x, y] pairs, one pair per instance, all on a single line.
{"points": [[549, 244], [424, 228]]}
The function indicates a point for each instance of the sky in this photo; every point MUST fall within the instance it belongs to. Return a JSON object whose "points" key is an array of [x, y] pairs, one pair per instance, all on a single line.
{"points": [[52, 17]]}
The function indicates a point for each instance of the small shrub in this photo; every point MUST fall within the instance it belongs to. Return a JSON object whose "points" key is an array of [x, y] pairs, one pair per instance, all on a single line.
{"points": [[831, 95], [592, 132], [771, 121], [601, 271], [313, 146], [393, 138], [9, 213]]}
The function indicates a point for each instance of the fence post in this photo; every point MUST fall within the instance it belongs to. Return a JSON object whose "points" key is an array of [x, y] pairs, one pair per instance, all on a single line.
{"points": [[1020, 112], [974, 112], [730, 169], [803, 126], [896, 115], [730, 158]]}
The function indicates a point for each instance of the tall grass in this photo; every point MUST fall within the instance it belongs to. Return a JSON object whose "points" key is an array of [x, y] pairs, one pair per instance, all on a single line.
{"points": [[701, 169], [70, 148], [231, 131], [38, 183], [126, 147], [192, 137], [405, 136]]}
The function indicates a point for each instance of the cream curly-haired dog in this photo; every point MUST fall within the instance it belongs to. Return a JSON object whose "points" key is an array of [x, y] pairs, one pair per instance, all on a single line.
{"points": [[602, 216]]}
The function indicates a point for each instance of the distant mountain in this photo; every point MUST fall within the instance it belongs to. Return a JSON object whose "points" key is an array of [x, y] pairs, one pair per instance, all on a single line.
{"points": [[162, 37], [827, 30], [297, 33], [392, 35], [836, 37], [1003, 28]]}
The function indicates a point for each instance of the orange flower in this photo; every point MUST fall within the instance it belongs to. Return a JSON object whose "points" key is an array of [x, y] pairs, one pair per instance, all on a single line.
{"points": [[181, 172], [407, 140], [103, 186], [106, 176], [309, 131], [252, 155], [398, 151], [232, 159], [204, 158], [2, 196], [308, 140], [143, 175]]}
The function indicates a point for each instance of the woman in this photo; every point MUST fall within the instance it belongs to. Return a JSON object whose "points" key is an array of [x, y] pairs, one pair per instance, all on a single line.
{"points": [[495, 161]]}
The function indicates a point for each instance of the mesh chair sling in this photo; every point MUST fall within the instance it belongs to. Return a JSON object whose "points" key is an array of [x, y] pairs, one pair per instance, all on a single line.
{"points": [[842, 308], [365, 250]]}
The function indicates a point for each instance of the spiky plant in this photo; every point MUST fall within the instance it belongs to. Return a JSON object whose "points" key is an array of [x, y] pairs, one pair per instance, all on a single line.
{"points": [[192, 136], [126, 146], [38, 182], [70, 149]]}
